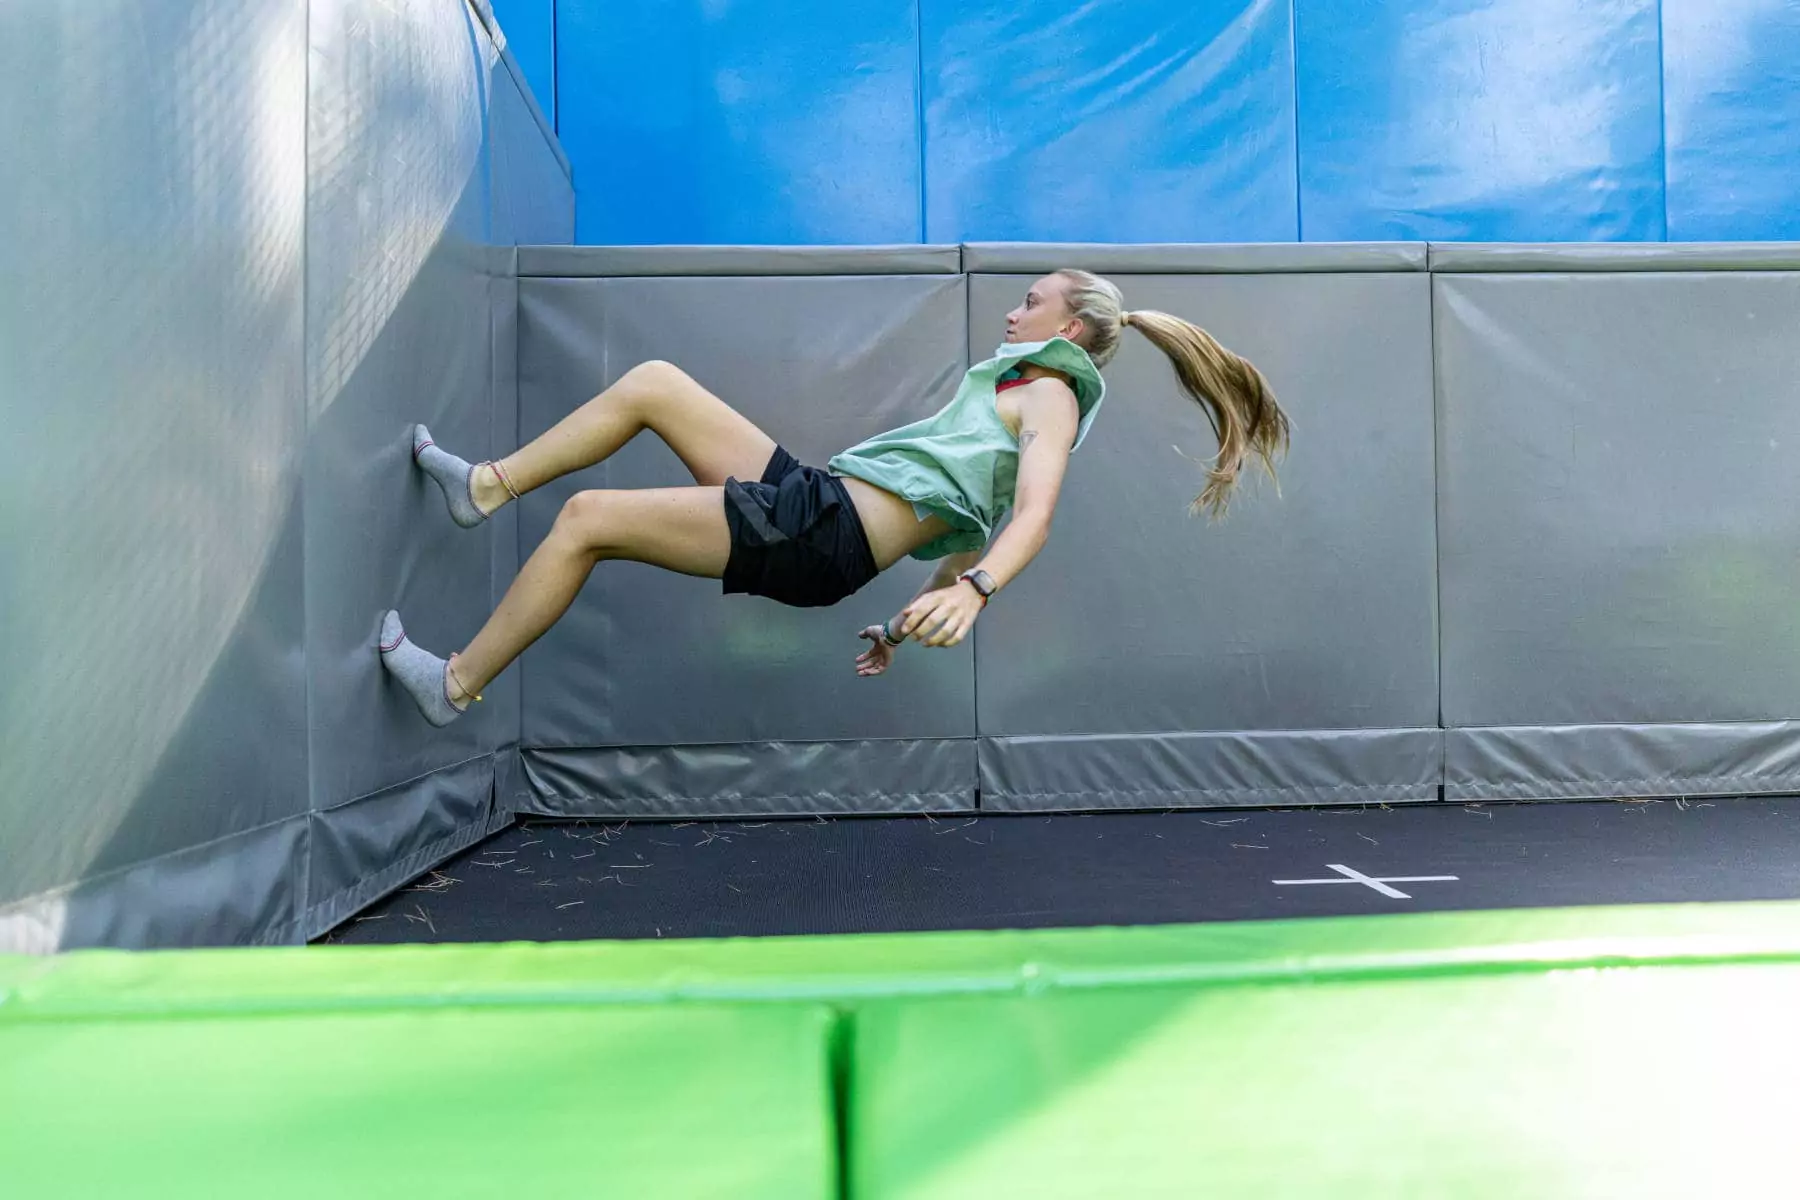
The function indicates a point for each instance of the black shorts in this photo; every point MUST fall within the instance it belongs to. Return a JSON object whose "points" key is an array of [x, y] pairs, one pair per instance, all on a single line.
{"points": [[795, 536]]}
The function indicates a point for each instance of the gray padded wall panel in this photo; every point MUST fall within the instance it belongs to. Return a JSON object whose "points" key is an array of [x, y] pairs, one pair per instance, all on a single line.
{"points": [[1614, 257], [765, 778], [377, 842], [1621, 544], [606, 262], [1159, 770], [1194, 258], [236, 292], [151, 394], [400, 329], [648, 659], [237, 889], [1313, 610], [1573, 762]]}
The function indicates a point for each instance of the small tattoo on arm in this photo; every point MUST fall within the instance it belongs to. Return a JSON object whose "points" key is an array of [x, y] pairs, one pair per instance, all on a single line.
{"points": [[1026, 438]]}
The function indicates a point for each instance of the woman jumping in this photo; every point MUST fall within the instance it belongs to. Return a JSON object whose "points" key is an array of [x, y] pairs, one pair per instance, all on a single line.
{"points": [[809, 537]]}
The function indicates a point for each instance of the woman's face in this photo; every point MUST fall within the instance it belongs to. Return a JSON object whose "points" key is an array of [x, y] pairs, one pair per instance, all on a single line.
{"points": [[1044, 313]]}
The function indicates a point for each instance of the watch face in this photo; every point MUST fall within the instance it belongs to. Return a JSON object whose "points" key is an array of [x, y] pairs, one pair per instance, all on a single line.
{"points": [[984, 583]]}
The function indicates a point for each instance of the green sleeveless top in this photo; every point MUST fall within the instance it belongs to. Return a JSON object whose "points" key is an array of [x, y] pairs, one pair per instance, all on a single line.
{"points": [[962, 463]]}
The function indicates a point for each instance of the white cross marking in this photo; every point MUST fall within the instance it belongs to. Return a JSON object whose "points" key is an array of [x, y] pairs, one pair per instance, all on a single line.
{"points": [[1381, 885]]}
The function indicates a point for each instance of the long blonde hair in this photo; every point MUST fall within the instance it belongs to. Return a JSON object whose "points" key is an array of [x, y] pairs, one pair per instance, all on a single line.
{"points": [[1238, 402]]}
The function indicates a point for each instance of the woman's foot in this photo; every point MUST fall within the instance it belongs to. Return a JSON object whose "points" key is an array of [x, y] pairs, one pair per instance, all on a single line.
{"points": [[473, 492], [428, 679]]}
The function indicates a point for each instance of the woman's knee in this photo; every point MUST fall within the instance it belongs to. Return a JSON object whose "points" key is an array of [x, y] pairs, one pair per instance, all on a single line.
{"points": [[655, 378], [582, 523], [683, 529]]}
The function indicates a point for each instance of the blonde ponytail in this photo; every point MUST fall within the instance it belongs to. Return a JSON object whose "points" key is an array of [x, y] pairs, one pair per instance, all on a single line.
{"points": [[1238, 402]]}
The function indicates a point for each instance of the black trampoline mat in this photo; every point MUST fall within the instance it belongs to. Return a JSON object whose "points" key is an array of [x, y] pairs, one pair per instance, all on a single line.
{"points": [[553, 881]]}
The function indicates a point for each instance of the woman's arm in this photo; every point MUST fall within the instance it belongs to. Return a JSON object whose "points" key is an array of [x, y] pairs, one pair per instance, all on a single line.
{"points": [[1048, 420]]}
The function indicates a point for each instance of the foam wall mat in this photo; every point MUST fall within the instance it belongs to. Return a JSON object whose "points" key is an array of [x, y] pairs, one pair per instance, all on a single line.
{"points": [[647, 662], [399, 183], [1488, 572], [262, 242], [1619, 551], [1139, 630], [152, 389]]}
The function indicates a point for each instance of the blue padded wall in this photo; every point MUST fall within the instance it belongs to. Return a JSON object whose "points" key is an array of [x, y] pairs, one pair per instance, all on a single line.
{"points": [[1732, 76], [1155, 122], [749, 121], [1479, 120], [530, 27]]}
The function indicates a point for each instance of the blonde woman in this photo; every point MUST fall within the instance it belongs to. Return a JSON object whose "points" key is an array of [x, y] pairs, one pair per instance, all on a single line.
{"points": [[934, 490]]}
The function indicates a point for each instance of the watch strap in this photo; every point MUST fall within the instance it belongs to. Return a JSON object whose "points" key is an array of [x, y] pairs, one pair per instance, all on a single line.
{"points": [[981, 581]]}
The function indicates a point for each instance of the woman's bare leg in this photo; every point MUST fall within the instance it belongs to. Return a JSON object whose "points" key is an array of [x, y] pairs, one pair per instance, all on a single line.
{"points": [[711, 438], [678, 529]]}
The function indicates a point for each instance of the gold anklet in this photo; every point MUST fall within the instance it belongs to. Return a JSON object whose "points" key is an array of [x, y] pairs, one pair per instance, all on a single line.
{"points": [[500, 474], [451, 671]]}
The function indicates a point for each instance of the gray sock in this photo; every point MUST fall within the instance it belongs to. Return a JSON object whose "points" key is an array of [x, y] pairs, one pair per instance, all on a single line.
{"points": [[452, 474], [419, 671]]}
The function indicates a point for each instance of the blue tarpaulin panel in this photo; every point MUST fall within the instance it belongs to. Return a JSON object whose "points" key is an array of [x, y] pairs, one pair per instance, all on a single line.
{"points": [[1459, 120], [1158, 122], [756, 121], [1732, 75], [752, 122]]}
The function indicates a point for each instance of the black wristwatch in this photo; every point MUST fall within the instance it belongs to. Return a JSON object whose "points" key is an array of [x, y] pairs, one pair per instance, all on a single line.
{"points": [[981, 581]]}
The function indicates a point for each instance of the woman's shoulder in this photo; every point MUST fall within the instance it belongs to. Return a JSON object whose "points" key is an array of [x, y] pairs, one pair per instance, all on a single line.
{"points": [[1056, 386]]}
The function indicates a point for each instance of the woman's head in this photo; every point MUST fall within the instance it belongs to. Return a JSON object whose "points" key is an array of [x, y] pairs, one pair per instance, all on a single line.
{"points": [[1083, 308], [1237, 400]]}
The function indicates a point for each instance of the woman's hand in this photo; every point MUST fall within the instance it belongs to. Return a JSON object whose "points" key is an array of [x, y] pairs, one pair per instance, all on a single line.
{"points": [[877, 657], [943, 617]]}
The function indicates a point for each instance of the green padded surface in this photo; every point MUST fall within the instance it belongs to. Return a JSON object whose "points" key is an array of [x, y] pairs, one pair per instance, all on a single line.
{"points": [[1633, 1051], [14, 968], [699, 1101], [1639, 1082], [873, 965]]}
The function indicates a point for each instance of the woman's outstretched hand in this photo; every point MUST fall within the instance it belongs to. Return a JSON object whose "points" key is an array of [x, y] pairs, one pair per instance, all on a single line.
{"points": [[941, 618], [878, 656], [938, 618]]}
